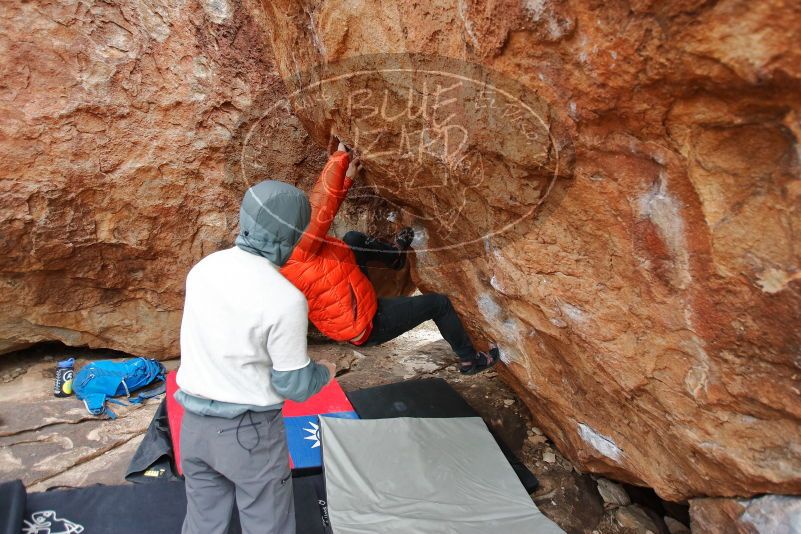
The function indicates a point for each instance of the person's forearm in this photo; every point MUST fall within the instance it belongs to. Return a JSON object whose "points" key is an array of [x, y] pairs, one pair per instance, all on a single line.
{"points": [[326, 198], [300, 384], [334, 175]]}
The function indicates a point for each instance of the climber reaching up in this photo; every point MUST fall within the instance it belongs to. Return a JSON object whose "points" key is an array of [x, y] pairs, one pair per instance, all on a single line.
{"points": [[331, 273]]}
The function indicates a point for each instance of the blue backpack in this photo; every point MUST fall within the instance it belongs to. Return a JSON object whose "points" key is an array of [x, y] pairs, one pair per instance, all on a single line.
{"points": [[98, 381]]}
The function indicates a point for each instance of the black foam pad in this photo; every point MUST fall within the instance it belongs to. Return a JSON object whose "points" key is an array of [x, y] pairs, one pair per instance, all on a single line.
{"points": [[127, 509], [153, 460], [430, 397], [12, 506], [311, 506], [138, 508]]}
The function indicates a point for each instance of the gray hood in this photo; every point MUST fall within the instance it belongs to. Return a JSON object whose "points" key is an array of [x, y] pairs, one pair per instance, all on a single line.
{"points": [[272, 219]]}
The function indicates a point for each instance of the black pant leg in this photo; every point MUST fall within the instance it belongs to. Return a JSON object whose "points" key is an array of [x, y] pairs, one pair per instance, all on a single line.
{"points": [[368, 249], [452, 329], [396, 316]]}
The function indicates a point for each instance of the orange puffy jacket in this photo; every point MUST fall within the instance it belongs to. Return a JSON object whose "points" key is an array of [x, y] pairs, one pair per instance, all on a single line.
{"points": [[342, 301]]}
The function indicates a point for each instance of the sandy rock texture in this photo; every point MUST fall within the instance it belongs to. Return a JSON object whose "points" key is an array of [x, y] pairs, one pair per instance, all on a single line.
{"points": [[775, 514], [129, 132], [610, 191], [47, 441]]}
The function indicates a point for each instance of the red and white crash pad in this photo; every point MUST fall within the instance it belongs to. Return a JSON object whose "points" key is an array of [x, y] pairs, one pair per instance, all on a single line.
{"points": [[300, 418]]}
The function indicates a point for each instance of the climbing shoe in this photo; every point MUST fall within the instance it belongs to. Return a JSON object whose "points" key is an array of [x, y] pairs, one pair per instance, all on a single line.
{"points": [[403, 240], [481, 362]]}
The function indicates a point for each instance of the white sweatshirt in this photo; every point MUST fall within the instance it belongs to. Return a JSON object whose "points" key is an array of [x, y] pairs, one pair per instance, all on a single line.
{"points": [[242, 320]]}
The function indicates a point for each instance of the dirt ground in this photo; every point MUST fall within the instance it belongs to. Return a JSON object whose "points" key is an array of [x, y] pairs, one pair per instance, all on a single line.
{"points": [[48, 441]]}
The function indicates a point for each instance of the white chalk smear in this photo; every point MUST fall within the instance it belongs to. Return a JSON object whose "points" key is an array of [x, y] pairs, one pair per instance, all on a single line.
{"points": [[665, 212], [773, 513], [599, 442], [496, 284], [488, 308], [575, 313], [218, 10]]}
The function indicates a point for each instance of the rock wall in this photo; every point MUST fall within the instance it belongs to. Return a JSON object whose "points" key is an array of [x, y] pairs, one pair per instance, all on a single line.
{"points": [[129, 132], [766, 514], [610, 191]]}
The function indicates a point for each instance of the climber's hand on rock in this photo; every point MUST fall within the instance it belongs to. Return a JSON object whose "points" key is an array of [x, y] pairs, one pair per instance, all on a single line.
{"points": [[332, 369], [343, 148], [354, 168]]}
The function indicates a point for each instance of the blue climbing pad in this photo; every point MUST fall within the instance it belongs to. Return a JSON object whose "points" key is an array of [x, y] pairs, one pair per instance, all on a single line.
{"points": [[303, 438], [302, 421]]}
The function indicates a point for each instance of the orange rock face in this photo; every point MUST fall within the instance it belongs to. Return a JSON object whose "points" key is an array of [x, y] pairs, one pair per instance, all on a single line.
{"points": [[769, 513], [128, 134], [116, 119], [609, 191]]}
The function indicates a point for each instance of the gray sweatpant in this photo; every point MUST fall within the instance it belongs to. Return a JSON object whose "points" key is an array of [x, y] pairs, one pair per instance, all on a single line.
{"points": [[244, 461]]}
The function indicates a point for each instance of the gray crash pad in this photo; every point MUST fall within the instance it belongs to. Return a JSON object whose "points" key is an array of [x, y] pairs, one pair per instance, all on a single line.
{"points": [[423, 475]]}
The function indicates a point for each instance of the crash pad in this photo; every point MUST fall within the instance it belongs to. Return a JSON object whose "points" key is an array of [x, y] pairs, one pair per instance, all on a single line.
{"points": [[153, 459], [300, 419], [136, 508], [413, 398], [12, 506], [175, 414], [429, 397], [125, 509], [444, 475]]}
